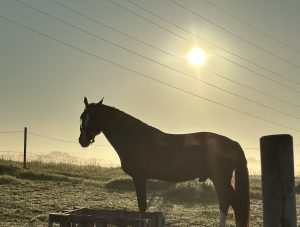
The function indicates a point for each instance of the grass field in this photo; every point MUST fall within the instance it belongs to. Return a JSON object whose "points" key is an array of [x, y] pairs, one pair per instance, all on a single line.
{"points": [[28, 196]]}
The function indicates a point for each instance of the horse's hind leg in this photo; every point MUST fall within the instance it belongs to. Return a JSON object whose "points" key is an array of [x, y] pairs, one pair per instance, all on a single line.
{"points": [[226, 195], [140, 188]]}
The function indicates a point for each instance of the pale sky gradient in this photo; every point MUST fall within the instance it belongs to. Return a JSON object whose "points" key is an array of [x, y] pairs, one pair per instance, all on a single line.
{"points": [[43, 82]]}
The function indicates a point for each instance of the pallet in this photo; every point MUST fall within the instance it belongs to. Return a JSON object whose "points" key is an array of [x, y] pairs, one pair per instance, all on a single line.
{"points": [[87, 217]]}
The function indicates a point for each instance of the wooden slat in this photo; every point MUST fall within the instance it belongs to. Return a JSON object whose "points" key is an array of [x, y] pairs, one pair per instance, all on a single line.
{"points": [[86, 217]]}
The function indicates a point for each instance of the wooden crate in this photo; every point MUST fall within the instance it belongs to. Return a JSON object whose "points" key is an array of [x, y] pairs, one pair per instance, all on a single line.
{"points": [[87, 217]]}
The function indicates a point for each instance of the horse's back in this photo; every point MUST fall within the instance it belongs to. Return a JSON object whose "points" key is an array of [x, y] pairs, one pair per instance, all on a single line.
{"points": [[201, 143], [179, 157]]}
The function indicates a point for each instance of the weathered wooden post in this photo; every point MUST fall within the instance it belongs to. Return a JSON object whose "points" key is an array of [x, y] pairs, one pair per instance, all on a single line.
{"points": [[25, 146], [278, 181]]}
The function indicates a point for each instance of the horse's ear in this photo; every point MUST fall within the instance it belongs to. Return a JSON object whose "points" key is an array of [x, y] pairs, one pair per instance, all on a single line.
{"points": [[100, 103], [86, 102]]}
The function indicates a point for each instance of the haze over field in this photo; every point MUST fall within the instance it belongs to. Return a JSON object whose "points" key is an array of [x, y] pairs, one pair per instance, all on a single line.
{"points": [[52, 55]]}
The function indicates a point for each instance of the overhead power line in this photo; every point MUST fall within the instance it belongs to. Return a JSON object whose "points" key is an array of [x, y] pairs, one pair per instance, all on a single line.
{"points": [[171, 54], [236, 35], [253, 27], [114, 29], [159, 63], [158, 25], [147, 76], [210, 43]]}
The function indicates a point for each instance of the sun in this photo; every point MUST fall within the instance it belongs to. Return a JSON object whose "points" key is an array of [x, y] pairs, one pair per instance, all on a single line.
{"points": [[196, 56]]}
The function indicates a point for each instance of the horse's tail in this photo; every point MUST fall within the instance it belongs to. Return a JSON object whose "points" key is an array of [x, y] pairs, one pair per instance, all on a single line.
{"points": [[242, 199]]}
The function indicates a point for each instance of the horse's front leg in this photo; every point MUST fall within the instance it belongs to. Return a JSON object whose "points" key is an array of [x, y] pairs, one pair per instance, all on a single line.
{"points": [[140, 188], [223, 218]]}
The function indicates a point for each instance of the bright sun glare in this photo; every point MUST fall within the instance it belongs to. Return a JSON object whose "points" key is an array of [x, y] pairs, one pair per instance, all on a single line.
{"points": [[196, 56]]}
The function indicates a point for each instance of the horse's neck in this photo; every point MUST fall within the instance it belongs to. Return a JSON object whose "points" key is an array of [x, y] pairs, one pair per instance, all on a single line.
{"points": [[115, 129], [121, 130]]}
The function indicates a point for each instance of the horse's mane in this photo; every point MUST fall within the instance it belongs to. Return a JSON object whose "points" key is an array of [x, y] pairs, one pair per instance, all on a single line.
{"points": [[127, 121]]}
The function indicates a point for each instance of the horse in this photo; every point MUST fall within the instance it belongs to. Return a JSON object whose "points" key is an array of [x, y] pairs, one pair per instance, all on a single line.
{"points": [[146, 152]]}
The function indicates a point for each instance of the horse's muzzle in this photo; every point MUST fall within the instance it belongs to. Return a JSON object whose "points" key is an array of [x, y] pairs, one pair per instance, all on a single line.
{"points": [[84, 141]]}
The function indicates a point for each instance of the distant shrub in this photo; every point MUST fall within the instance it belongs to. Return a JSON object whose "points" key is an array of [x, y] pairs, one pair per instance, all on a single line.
{"points": [[120, 184], [6, 179], [87, 172], [158, 185], [191, 191], [47, 177], [126, 184], [8, 169]]}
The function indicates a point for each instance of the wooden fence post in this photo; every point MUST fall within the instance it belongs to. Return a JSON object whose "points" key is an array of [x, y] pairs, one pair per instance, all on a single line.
{"points": [[278, 181], [25, 146]]}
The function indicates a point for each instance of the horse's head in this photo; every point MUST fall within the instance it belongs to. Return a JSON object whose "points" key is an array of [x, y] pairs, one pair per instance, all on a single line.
{"points": [[90, 123]]}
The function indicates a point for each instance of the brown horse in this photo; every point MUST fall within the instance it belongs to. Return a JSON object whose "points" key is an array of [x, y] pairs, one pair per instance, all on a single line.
{"points": [[148, 153]]}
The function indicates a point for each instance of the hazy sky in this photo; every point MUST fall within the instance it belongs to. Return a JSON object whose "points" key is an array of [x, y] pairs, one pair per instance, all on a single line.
{"points": [[43, 82]]}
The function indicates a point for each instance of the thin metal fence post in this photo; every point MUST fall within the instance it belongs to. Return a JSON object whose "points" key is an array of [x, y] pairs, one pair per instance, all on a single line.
{"points": [[25, 147]]}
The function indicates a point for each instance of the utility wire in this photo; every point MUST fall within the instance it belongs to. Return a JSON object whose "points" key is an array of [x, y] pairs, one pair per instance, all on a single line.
{"points": [[56, 159], [257, 148], [156, 24], [116, 30], [238, 64], [173, 55], [252, 26], [10, 132], [45, 157], [236, 35], [52, 138], [147, 76], [69, 141], [62, 140], [211, 44], [159, 63], [254, 89], [51, 158], [10, 152]]}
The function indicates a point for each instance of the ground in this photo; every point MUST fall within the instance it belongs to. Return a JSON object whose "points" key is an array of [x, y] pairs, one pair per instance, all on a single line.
{"points": [[28, 196]]}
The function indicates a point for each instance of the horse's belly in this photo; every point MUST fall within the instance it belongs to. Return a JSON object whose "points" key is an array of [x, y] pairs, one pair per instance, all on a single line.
{"points": [[176, 176], [178, 170]]}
